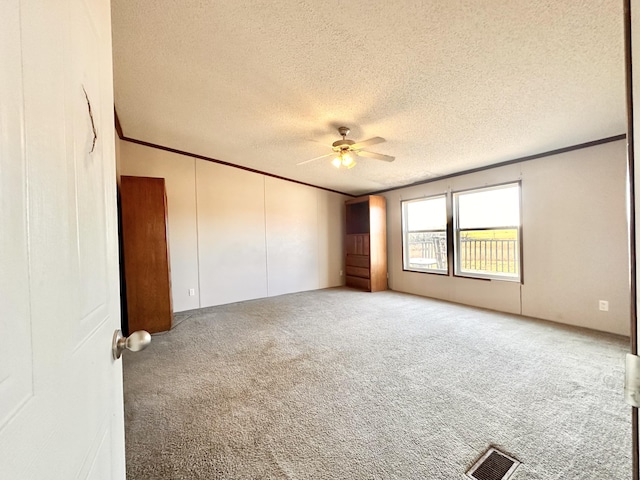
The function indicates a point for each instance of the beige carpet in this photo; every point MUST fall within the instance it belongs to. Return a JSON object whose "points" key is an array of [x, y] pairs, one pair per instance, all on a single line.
{"points": [[342, 384]]}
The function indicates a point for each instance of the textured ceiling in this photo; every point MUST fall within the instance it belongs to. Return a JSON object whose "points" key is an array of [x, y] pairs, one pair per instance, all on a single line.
{"points": [[451, 85]]}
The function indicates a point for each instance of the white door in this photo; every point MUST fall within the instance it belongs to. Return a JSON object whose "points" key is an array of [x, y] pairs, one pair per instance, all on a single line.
{"points": [[61, 411]]}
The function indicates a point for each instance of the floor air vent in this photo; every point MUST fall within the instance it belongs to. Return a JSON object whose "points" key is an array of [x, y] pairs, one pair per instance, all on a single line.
{"points": [[493, 465]]}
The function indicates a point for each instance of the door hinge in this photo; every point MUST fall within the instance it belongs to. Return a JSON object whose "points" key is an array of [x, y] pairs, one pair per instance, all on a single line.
{"points": [[632, 380]]}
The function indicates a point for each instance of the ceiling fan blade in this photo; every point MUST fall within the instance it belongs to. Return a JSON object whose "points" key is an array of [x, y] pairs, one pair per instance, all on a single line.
{"points": [[376, 156], [317, 158], [366, 143]]}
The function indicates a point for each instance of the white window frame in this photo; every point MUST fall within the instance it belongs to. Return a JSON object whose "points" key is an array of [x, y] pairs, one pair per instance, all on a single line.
{"points": [[405, 237], [457, 248]]}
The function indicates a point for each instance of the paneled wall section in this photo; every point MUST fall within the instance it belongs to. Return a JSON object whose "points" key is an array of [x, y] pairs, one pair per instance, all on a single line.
{"points": [[235, 235], [231, 234]]}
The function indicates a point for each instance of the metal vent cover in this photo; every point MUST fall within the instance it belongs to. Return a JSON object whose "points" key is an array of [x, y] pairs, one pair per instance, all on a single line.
{"points": [[493, 465]]}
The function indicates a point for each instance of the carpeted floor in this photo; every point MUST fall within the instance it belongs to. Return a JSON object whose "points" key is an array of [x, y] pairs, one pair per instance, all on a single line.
{"points": [[342, 384]]}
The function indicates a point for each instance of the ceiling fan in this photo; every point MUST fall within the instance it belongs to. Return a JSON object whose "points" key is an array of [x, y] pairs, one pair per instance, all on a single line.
{"points": [[344, 150]]}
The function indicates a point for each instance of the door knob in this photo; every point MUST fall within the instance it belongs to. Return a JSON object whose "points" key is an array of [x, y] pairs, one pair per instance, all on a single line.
{"points": [[135, 342]]}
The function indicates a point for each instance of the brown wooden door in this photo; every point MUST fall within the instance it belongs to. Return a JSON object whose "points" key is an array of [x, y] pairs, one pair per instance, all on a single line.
{"points": [[146, 253]]}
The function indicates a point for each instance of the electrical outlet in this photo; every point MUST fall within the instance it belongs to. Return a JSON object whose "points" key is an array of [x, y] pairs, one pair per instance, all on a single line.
{"points": [[603, 305], [340, 272], [192, 292]]}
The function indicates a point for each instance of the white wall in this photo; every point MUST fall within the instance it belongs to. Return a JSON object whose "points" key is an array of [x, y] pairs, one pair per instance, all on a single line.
{"points": [[330, 237], [292, 222], [574, 241], [235, 235], [575, 234], [231, 234]]}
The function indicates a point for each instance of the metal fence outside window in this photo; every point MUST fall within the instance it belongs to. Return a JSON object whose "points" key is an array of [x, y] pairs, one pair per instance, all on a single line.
{"points": [[489, 255], [492, 255]]}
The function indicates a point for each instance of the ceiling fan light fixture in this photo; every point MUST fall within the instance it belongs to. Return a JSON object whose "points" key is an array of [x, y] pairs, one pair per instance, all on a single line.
{"points": [[347, 160], [336, 162]]}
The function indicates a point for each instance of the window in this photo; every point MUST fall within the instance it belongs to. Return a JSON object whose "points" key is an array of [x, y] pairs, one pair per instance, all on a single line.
{"points": [[424, 234], [487, 232]]}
